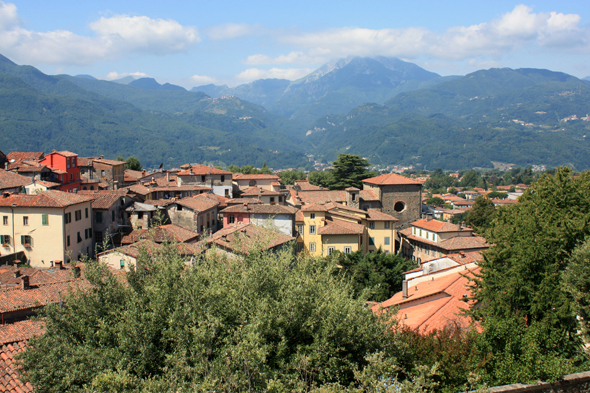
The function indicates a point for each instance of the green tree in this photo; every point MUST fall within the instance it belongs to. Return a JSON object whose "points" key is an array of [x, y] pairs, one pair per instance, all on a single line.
{"points": [[266, 322], [576, 280], [435, 201], [349, 170], [497, 195], [289, 177], [470, 179], [376, 271], [321, 178], [482, 213], [133, 164], [530, 327]]}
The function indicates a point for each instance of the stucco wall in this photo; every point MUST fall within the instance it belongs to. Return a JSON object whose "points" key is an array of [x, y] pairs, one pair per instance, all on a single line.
{"points": [[283, 222]]}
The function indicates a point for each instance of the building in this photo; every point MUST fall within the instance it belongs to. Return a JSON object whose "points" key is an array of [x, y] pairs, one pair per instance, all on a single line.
{"points": [[109, 217], [50, 226], [280, 217], [202, 175], [198, 213], [400, 197], [64, 165], [264, 181], [109, 174], [269, 197], [13, 183], [168, 233], [428, 239], [243, 238]]}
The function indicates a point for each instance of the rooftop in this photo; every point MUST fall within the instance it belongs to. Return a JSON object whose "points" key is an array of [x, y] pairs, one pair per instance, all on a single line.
{"points": [[243, 237], [439, 226], [49, 198], [161, 234], [341, 227], [199, 202], [12, 180], [200, 169], [391, 179]]}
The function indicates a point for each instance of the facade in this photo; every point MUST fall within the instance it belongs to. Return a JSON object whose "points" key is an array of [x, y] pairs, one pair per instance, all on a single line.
{"points": [[109, 215], [400, 197], [198, 214], [428, 239], [64, 165], [50, 226], [109, 174], [280, 217], [266, 182], [202, 175], [268, 197]]}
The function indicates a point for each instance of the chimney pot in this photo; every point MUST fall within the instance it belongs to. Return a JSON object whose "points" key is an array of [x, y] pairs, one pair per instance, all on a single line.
{"points": [[16, 273], [405, 289], [25, 282], [58, 264]]}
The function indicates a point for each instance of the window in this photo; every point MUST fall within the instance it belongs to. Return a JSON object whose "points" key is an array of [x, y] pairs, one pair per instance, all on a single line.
{"points": [[312, 229], [45, 219], [112, 216], [71, 177], [420, 232], [68, 241], [399, 206], [222, 178], [387, 241], [300, 229], [347, 250], [86, 213], [203, 179], [371, 241], [414, 231], [90, 233], [98, 237], [231, 219], [102, 173], [299, 247], [26, 220], [427, 235], [67, 163], [79, 238], [140, 215], [331, 250], [74, 162], [97, 217], [272, 200], [312, 216], [122, 263], [371, 224], [78, 215], [26, 241], [68, 218], [178, 208], [252, 183], [5, 240], [312, 247], [387, 224], [434, 236], [5, 220]]}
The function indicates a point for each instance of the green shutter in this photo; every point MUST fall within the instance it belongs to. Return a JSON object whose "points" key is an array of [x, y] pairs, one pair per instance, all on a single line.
{"points": [[45, 219]]}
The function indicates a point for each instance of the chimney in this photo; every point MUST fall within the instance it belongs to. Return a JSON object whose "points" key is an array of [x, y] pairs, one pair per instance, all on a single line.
{"points": [[167, 177], [6, 166], [16, 273], [405, 289], [25, 282], [58, 264], [428, 216]]}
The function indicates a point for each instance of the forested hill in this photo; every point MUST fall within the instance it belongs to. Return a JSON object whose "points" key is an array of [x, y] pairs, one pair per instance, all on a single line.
{"points": [[39, 112], [515, 116]]}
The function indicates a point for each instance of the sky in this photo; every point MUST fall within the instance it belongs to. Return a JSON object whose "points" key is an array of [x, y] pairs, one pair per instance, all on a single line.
{"points": [[192, 43]]}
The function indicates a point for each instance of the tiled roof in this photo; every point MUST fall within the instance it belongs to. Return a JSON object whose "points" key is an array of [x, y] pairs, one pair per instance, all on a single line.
{"points": [[260, 209], [439, 226], [28, 167], [19, 156], [199, 202], [259, 191], [464, 243], [12, 180], [135, 174], [49, 198], [14, 299], [13, 339], [433, 304], [341, 227], [139, 189], [321, 197], [109, 162], [240, 201], [242, 237], [299, 216], [161, 234], [314, 207], [184, 187], [368, 196], [261, 176], [36, 276], [86, 161], [134, 250], [202, 170], [464, 258], [391, 179], [374, 215], [66, 153], [304, 185], [334, 205], [105, 201]]}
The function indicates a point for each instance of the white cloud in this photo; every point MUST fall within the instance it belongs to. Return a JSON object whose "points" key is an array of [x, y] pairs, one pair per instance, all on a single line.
{"points": [[510, 32], [114, 37], [291, 58], [230, 30], [202, 80], [252, 74], [113, 75]]}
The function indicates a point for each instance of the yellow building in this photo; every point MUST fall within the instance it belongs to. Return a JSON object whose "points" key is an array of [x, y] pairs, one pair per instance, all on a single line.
{"points": [[325, 228], [50, 226]]}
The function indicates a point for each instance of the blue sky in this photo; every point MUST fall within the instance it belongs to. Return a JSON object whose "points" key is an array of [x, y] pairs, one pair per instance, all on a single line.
{"points": [[233, 42]]}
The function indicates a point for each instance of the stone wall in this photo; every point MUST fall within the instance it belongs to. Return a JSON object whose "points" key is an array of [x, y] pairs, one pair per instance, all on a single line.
{"points": [[409, 195], [573, 383]]}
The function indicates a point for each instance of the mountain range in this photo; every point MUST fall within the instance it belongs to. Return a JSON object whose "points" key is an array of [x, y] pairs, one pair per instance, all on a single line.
{"points": [[390, 111]]}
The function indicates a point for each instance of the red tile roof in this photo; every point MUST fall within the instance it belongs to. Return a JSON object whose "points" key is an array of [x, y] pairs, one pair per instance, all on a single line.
{"points": [[109, 162], [65, 153], [199, 202], [341, 227], [305, 185], [18, 156], [104, 201], [255, 177], [259, 209], [10, 180], [259, 191], [439, 226], [390, 179], [299, 216], [20, 331], [161, 234], [433, 304], [374, 215], [14, 299], [49, 198], [314, 207], [321, 197], [242, 237], [200, 169], [135, 174]]}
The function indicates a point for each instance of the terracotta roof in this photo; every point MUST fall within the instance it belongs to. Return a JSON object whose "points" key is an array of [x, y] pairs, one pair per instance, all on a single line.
{"points": [[433, 304], [65, 153], [314, 207], [49, 198], [200, 169], [259, 191], [299, 216], [86, 161], [13, 339], [109, 162], [239, 201], [139, 189], [368, 195], [334, 205], [391, 179], [134, 250], [135, 174], [18, 156], [14, 299], [256, 177], [242, 237], [28, 167], [12, 180], [439, 226], [199, 202], [341, 227], [321, 197], [464, 243], [36, 276], [184, 187], [161, 234], [305, 185], [260, 209], [374, 215], [464, 258], [104, 201]]}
